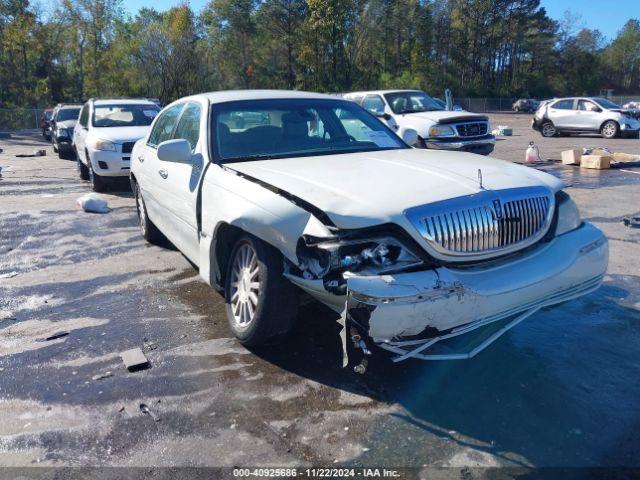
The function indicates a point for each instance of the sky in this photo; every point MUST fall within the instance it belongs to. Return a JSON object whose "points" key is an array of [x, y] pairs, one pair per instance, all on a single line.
{"points": [[608, 17]]}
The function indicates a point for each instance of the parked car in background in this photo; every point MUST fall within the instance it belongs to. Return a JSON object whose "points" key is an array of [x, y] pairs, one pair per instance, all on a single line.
{"points": [[45, 123], [63, 121], [564, 116], [631, 106], [437, 128], [105, 134], [404, 243], [525, 105]]}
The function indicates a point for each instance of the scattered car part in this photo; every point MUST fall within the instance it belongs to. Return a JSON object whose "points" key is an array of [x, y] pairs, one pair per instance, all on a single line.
{"points": [[134, 360], [632, 222], [144, 408]]}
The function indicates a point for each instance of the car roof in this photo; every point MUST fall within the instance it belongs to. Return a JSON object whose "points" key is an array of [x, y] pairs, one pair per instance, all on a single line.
{"points": [[122, 101], [382, 92], [236, 95], [62, 107]]}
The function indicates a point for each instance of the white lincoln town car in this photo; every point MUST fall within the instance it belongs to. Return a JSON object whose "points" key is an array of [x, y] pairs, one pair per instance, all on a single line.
{"points": [[273, 192]]}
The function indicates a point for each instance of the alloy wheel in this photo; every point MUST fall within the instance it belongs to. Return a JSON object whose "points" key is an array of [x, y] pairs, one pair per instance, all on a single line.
{"points": [[548, 130], [609, 130], [245, 286]]}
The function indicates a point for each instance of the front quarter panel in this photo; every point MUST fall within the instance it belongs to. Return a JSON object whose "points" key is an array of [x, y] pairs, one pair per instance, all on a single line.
{"points": [[232, 199]]}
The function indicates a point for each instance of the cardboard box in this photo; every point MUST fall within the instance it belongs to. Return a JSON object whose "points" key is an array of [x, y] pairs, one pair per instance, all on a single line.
{"points": [[598, 162], [571, 157]]}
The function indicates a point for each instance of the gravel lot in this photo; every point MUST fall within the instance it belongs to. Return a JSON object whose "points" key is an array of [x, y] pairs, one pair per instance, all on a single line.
{"points": [[560, 389]]}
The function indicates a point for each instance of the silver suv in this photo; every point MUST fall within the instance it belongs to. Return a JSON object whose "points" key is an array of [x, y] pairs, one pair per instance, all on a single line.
{"points": [[584, 115]]}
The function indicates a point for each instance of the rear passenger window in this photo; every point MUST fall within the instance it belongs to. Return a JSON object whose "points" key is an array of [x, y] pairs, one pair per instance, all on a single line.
{"points": [[189, 125], [563, 105], [163, 128]]}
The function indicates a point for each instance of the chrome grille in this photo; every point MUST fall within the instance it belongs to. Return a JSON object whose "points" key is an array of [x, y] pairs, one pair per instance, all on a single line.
{"points": [[485, 223], [474, 129]]}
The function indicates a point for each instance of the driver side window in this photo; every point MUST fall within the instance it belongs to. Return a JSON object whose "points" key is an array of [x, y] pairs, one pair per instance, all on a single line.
{"points": [[163, 128]]}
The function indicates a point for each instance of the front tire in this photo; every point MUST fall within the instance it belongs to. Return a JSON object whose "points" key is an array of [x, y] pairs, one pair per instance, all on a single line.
{"points": [[610, 129], [98, 183], [260, 302], [148, 229], [83, 171], [548, 129]]}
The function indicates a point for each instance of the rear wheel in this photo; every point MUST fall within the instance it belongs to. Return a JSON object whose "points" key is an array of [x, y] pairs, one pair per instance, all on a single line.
{"points": [[548, 129], [261, 302], [610, 129]]}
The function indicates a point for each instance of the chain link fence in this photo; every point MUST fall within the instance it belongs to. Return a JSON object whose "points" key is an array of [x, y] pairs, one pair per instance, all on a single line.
{"points": [[12, 119]]}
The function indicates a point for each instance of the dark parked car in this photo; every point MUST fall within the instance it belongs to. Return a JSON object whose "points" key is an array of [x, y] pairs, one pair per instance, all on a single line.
{"points": [[45, 122], [525, 105], [62, 123]]}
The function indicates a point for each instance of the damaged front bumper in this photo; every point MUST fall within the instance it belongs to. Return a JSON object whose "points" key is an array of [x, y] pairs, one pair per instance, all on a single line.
{"points": [[413, 309]]}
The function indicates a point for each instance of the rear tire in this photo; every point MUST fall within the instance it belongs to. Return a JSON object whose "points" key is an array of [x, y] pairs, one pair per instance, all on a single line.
{"points": [[261, 303], [148, 229], [610, 129], [548, 129], [83, 171]]}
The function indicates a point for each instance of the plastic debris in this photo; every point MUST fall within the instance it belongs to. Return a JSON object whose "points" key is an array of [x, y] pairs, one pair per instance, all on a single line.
{"points": [[532, 154], [56, 336], [9, 275], [93, 203], [147, 411], [134, 360], [101, 376], [631, 222], [36, 153], [504, 130]]}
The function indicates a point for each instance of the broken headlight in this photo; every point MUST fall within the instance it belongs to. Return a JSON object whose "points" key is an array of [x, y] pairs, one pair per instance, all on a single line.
{"points": [[373, 256], [568, 215]]}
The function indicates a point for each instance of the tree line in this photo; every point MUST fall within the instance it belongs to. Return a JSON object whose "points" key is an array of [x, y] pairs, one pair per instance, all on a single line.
{"points": [[82, 48]]}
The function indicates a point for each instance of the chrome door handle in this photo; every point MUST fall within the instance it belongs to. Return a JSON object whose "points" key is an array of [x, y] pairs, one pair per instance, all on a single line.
{"points": [[141, 159], [163, 173]]}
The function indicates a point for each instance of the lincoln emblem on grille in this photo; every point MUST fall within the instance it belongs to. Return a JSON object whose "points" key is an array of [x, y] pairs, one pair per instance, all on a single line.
{"points": [[497, 207]]}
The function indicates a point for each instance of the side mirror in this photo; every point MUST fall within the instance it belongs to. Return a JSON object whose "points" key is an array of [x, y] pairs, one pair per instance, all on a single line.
{"points": [[410, 136], [178, 151], [382, 115]]}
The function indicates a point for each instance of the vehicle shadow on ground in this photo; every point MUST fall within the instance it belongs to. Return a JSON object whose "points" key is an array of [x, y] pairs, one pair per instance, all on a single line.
{"points": [[536, 392]]}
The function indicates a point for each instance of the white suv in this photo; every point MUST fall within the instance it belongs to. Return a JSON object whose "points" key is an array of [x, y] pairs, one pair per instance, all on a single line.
{"points": [[266, 191], [437, 127], [105, 134]]}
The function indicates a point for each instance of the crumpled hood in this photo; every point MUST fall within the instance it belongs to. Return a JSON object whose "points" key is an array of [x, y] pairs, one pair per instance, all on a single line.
{"points": [[365, 189], [121, 134]]}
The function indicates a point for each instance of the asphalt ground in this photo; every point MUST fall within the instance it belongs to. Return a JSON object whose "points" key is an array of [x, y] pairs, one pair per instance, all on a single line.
{"points": [[559, 390]]}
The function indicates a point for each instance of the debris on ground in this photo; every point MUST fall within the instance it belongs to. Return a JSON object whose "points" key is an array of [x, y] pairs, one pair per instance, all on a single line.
{"points": [[9, 275], [101, 376], [147, 411], [532, 155], [596, 161], [36, 153], [56, 336], [93, 203], [134, 360], [632, 222], [571, 157], [503, 130]]}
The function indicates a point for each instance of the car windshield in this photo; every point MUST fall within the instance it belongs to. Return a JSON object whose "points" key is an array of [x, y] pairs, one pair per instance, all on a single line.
{"points": [[67, 114], [268, 129], [124, 115], [606, 103], [412, 102]]}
